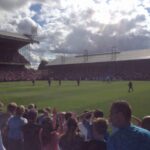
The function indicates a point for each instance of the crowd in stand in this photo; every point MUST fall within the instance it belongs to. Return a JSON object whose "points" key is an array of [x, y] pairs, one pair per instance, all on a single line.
{"points": [[12, 56], [19, 75], [102, 75], [47, 129], [25, 75]]}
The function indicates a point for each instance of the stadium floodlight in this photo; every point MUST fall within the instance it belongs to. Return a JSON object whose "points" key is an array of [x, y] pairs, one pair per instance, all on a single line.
{"points": [[34, 31]]}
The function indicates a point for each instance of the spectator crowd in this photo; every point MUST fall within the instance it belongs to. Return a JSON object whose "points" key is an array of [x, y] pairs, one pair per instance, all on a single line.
{"points": [[27, 128]]}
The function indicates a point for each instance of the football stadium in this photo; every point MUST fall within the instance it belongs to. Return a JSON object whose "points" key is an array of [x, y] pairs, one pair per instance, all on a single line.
{"points": [[74, 74], [103, 78], [73, 85]]}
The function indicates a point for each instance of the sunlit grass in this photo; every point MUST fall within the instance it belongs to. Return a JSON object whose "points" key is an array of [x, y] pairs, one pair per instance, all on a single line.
{"points": [[70, 97]]}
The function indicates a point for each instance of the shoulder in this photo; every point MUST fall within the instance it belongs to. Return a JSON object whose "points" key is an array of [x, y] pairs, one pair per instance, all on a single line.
{"points": [[130, 132], [140, 131], [11, 118], [24, 120]]}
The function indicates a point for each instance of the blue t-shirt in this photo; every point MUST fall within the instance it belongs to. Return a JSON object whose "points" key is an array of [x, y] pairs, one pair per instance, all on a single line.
{"points": [[129, 138], [15, 125]]}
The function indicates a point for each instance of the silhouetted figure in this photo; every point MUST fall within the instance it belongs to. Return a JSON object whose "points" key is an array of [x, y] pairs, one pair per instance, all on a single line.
{"points": [[59, 82], [49, 82], [33, 82], [78, 82], [130, 86]]}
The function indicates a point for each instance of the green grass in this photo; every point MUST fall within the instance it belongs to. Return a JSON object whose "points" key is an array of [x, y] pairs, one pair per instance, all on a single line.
{"points": [[70, 97]]}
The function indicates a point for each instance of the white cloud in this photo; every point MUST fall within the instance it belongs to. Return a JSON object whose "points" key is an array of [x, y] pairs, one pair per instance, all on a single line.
{"points": [[13, 4], [146, 3], [26, 26], [76, 25]]}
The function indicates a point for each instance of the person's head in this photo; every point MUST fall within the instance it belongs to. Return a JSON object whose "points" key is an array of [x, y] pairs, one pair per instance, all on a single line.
{"points": [[71, 125], [48, 109], [31, 106], [61, 116], [47, 127], [32, 115], [98, 113], [41, 111], [146, 123], [88, 115], [11, 107], [20, 110], [100, 126], [68, 115], [120, 114]]}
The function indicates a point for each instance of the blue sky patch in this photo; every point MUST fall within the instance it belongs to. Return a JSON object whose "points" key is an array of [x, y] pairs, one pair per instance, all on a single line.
{"points": [[36, 7], [148, 9]]}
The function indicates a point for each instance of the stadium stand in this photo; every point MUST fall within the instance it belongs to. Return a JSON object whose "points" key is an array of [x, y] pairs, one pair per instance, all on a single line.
{"points": [[12, 64], [117, 66]]}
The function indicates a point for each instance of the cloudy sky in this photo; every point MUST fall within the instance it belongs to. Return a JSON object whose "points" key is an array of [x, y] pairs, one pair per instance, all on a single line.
{"points": [[76, 26]]}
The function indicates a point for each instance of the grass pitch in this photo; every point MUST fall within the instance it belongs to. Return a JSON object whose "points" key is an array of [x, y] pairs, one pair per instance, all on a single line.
{"points": [[69, 97]]}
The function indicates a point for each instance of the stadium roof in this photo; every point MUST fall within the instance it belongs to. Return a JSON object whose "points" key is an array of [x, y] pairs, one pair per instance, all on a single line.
{"points": [[10, 43], [104, 57], [15, 40]]}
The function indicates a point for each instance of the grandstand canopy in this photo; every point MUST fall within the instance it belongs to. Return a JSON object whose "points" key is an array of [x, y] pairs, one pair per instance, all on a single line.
{"points": [[10, 43], [103, 57], [13, 41]]}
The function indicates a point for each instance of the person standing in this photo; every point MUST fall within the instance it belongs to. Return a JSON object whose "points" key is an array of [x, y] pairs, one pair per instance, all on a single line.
{"points": [[127, 136], [33, 82], [78, 82], [1, 113], [59, 82], [49, 82], [15, 134], [1, 142], [99, 128], [31, 132], [49, 138], [130, 86], [71, 139]]}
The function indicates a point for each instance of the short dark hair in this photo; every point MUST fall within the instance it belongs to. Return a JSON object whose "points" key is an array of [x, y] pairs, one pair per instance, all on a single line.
{"points": [[88, 115], [98, 113], [68, 115], [123, 107]]}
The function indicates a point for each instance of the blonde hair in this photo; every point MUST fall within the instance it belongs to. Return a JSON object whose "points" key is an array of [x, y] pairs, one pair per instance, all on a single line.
{"points": [[20, 110]]}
